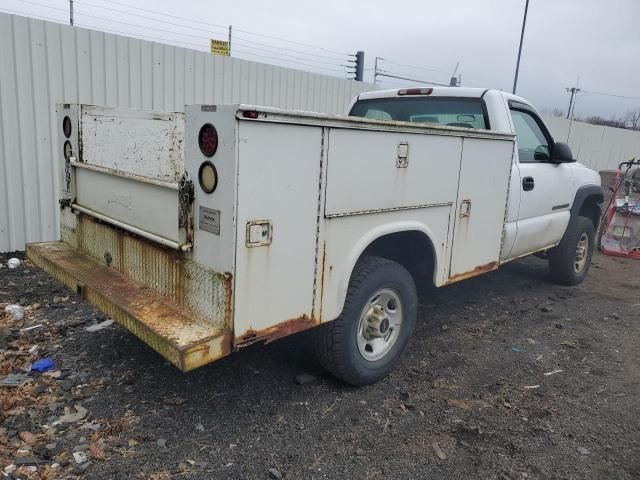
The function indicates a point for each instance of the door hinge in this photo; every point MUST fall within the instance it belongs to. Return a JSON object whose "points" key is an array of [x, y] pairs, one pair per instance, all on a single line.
{"points": [[186, 194]]}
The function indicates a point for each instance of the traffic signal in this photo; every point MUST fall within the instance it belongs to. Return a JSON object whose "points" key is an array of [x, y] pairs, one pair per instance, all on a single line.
{"points": [[359, 66]]}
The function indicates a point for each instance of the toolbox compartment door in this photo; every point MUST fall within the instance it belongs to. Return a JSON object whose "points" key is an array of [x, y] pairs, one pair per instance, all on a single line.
{"points": [[127, 170], [481, 207]]}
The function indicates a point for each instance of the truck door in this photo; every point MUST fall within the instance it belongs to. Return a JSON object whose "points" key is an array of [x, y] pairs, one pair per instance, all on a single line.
{"points": [[545, 188], [482, 200]]}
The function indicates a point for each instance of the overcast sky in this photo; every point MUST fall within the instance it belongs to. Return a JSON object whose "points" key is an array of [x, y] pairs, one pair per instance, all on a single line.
{"points": [[595, 41]]}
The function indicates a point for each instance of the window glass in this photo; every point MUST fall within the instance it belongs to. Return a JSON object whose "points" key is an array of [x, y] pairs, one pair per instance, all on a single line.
{"points": [[456, 112], [377, 114], [532, 144]]}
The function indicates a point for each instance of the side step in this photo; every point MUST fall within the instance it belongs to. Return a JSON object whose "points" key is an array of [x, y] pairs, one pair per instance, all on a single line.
{"points": [[175, 332]]}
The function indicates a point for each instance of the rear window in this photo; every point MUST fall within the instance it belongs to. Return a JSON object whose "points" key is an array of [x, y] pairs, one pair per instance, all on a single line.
{"points": [[454, 112]]}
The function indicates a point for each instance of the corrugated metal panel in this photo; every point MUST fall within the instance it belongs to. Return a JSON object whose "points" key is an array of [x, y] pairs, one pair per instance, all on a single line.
{"points": [[44, 63], [597, 146]]}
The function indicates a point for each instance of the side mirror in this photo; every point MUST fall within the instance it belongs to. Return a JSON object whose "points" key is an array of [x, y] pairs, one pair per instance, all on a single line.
{"points": [[561, 153]]}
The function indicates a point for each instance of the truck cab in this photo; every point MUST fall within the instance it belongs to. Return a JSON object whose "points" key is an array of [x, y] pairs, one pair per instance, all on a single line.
{"points": [[547, 187]]}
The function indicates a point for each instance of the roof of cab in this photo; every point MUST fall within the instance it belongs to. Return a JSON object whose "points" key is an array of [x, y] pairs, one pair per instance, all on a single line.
{"points": [[436, 92], [464, 92]]}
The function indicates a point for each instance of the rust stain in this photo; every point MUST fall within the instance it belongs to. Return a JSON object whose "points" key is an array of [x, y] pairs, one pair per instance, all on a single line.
{"points": [[479, 270], [281, 330], [176, 332], [324, 258], [227, 278]]}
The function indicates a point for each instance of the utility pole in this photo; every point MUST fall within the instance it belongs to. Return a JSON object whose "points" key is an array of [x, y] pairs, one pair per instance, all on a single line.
{"points": [[229, 40], [453, 82], [375, 70], [524, 23], [574, 91], [71, 12]]}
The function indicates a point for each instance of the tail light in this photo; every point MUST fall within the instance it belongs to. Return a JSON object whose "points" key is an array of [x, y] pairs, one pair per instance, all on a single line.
{"points": [[208, 177], [66, 126], [208, 140]]}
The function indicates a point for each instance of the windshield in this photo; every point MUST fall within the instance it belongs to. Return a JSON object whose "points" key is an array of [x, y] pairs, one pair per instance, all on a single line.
{"points": [[454, 112]]}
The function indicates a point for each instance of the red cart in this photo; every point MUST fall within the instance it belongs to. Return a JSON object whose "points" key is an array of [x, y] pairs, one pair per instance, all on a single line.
{"points": [[621, 226]]}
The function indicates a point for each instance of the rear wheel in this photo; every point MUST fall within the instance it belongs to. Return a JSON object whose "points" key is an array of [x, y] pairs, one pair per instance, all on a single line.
{"points": [[364, 344], [569, 262]]}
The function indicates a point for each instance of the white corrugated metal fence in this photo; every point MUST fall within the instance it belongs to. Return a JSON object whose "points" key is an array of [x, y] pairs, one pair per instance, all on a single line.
{"points": [[44, 63], [597, 146]]}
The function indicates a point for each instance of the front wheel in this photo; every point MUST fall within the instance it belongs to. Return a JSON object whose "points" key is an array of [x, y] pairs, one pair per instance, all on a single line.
{"points": [[365, 342], [569, 262]]}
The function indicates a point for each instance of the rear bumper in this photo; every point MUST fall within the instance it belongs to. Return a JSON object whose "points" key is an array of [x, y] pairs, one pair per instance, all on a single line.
{"points": [[180, 335]]}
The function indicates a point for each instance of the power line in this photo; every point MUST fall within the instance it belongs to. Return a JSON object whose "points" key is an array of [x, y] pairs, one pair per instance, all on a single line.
{"points": [[145, 17], [164, 40], [200, 37], [164, 14], [290, 61], [246, 43], [272, 50], [186, 26], [137, 35], [206, 39], [208, 32], [294, 59], [218, 26], [611, 95], [268, 50], [382, 73], [340, 59], [417, 67], [295, 43]]}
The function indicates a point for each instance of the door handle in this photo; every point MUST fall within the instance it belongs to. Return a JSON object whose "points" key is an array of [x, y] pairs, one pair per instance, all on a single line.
{"points": [[528, 183]]}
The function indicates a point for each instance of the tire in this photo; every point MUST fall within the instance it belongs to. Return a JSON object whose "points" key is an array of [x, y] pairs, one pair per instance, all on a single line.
{"points": [[349, 347], [565, 265]]}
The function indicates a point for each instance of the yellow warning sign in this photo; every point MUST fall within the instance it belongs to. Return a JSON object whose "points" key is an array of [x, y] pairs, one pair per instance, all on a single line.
{"points": [[220, 47]]}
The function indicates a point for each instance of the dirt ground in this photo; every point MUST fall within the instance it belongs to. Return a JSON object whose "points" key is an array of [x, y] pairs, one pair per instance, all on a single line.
{"points": [[508, 376]]}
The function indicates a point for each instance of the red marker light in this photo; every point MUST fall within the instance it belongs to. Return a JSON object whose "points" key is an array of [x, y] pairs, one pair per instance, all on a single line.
{"points": [[415, 91], [208, 140], [66, 126]]}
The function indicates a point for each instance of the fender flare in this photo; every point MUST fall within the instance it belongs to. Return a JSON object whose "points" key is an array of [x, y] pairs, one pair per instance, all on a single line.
{"points": [[371, 236], [584, 192]]}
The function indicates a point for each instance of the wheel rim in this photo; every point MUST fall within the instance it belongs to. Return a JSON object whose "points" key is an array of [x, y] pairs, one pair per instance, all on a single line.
{"points": [[380, 324], [582, 253]]}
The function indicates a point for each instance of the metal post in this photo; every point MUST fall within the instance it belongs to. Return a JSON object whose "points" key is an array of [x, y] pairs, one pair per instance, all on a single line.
{"points": [[229, 40], [71, 12], [375, 70], [524, 23]]}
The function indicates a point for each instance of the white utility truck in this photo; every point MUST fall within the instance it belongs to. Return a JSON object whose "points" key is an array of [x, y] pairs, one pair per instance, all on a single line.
{"points": [[205, 231]]}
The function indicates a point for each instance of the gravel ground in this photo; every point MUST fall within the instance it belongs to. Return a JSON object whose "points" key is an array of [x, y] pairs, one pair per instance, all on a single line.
{"points": [[507, 377]]}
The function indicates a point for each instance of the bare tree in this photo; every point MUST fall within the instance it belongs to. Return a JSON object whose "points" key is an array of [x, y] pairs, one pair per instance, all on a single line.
{"points": [[612, 122], [632, 119], [553, 112]]}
